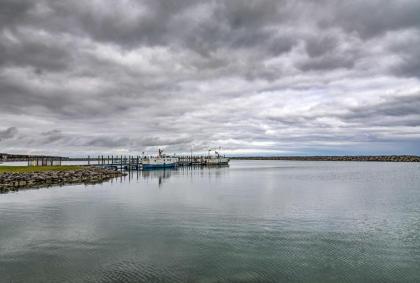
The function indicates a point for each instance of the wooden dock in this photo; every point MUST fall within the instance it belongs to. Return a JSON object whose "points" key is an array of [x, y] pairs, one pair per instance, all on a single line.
{"points": [[134, 163], [128, 163]]}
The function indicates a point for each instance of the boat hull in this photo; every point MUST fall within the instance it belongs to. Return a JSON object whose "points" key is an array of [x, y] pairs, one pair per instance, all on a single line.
{"points": [[218, 161], [159, 162], [159, 166]]}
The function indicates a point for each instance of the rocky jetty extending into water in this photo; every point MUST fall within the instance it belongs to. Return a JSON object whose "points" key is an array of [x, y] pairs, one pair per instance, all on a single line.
{"points": [[378, 158], [13, 181]]}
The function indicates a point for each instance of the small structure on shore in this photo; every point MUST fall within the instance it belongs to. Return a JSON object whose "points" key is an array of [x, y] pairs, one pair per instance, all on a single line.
{"points": [[6, 157], [44, 161]]}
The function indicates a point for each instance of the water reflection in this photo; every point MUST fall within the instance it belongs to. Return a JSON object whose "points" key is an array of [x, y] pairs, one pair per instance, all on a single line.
{"points": [[253, 222], [162, 175]]}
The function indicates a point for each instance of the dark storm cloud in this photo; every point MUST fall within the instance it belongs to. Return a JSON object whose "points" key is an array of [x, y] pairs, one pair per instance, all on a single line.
{"points": [[251, 76], [52, 136], [106, 142], [393, 107], [14, 11], [39, 55], [395, 111], [409, 53], [371, 18], [8, 133]]}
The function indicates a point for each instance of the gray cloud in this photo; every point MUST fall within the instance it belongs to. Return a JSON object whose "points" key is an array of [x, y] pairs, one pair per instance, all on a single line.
{"points": [[252, 76], [374, 17], [393, 107], [8, 133]]}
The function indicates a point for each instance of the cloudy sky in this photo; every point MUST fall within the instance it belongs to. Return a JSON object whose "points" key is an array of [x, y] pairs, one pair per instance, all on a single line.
{"points": [[254, 77]]}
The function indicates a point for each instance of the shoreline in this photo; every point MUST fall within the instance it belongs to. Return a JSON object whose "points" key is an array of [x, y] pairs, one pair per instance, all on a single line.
{"points": [[45, 177]]}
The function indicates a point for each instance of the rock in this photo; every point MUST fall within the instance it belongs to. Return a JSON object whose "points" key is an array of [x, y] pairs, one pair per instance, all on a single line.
{"points": [[14, 181]]}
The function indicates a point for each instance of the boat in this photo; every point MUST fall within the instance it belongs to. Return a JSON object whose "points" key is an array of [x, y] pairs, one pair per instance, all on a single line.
{"points": [[216, 159], [160, 161]]}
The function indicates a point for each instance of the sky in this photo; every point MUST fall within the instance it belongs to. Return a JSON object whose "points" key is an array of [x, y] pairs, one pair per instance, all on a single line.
{"points": [[281, 77]]}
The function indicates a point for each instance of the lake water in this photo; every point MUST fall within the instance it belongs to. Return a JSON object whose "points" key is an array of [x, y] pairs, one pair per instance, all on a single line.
{"points": [[255, 221]]}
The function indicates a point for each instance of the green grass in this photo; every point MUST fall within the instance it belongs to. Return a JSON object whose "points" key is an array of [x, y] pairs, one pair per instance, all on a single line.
{"points": [[30, 169]]}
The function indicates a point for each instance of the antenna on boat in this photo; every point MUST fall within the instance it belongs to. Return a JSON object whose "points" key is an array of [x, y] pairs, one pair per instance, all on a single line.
{"points": [[214, 149]]}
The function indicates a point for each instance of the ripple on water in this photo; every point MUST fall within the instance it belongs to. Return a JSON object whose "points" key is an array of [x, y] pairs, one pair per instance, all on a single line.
{"points": [[253, 222]]}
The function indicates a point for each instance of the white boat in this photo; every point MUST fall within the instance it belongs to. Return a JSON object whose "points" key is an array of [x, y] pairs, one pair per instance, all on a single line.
{"points": [[216, 159], [160, 161]]}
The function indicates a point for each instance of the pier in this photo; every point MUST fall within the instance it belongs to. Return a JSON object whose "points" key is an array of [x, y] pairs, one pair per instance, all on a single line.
{"points": [[135, 163], [129, 163], [118, 162]]}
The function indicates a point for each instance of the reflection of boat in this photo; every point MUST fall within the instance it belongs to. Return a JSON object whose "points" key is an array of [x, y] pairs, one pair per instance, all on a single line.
{"points": [[161, 161], [161, 174], [216, 159]]}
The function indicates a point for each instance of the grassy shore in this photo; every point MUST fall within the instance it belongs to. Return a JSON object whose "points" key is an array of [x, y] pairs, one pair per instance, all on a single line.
{"points": [[31, 169]]}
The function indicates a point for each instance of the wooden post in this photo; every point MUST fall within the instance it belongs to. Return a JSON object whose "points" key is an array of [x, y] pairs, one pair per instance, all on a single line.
{"points": [[88, 159]]}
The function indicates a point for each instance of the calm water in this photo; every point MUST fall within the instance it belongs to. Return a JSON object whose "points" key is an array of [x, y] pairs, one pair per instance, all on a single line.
{"points": [[256, 221]]}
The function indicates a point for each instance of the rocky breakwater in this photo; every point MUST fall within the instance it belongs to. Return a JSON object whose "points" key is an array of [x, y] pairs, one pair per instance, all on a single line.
{"points": [[83, 175], [377, 158]]}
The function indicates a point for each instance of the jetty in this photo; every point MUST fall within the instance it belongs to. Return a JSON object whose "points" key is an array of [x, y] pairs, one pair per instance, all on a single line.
{"points": [[13, 178], [135, 163], [359, 158]]}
